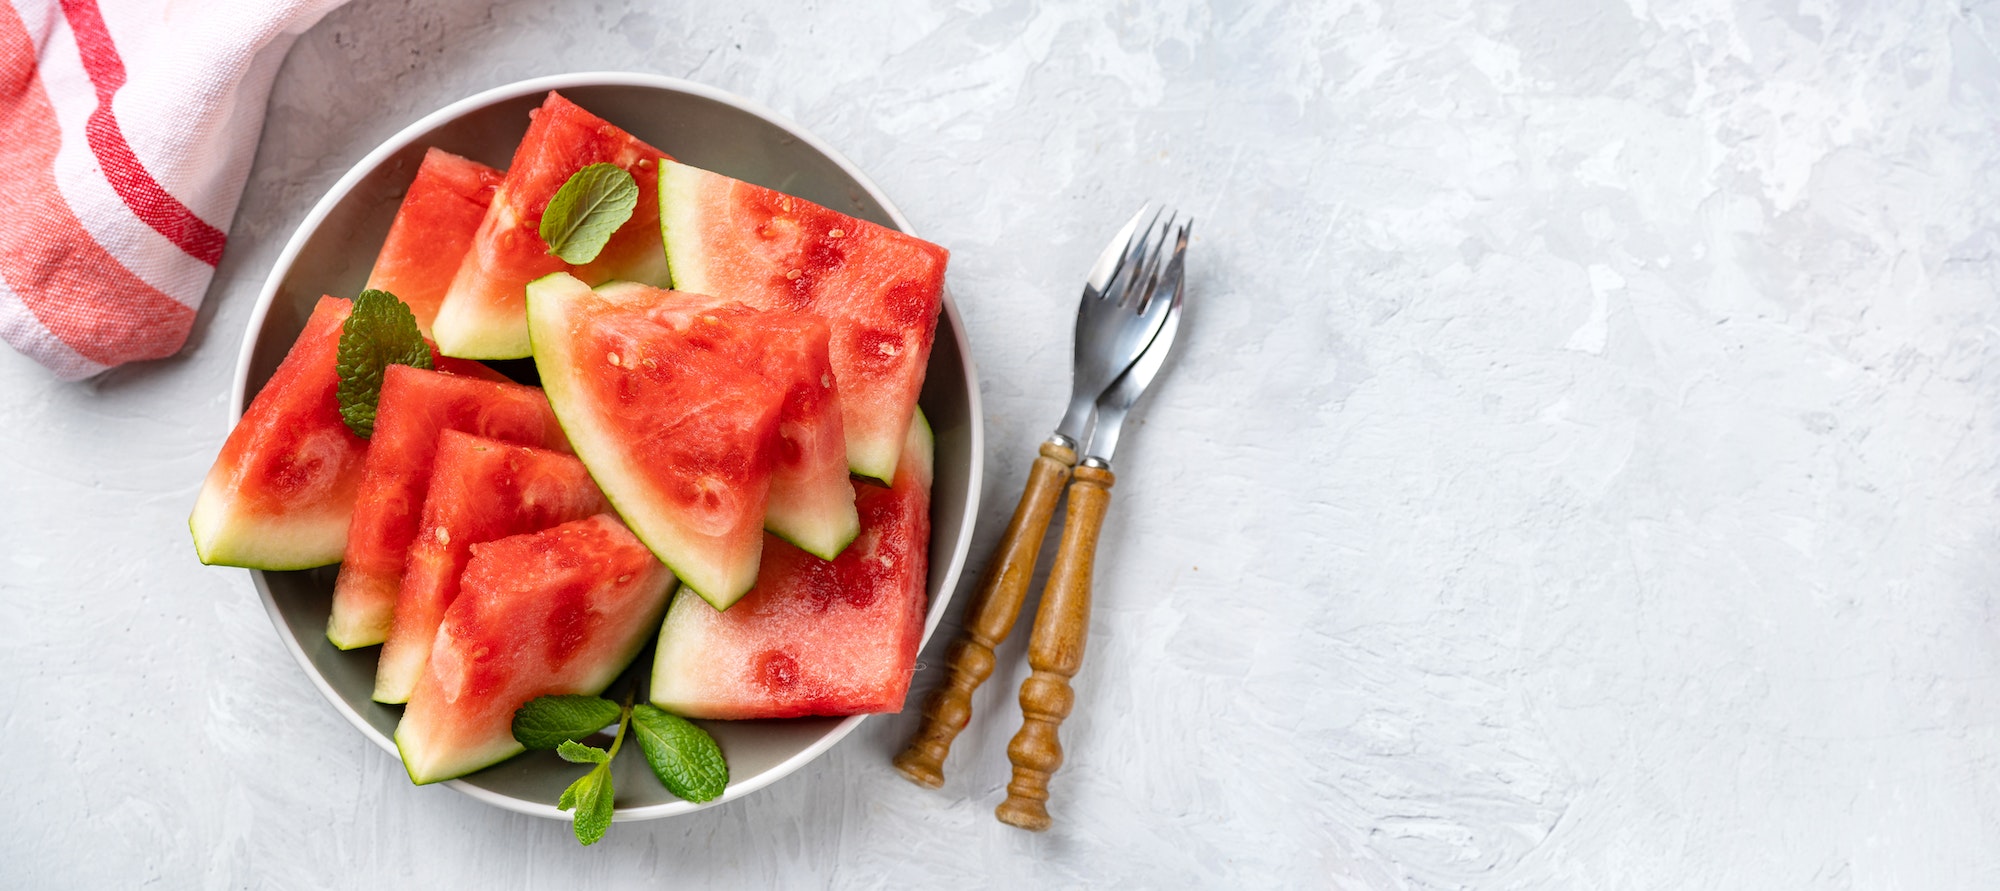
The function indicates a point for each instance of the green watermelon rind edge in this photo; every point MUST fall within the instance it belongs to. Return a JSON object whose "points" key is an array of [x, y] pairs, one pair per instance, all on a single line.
{"points": [[551, 360]]}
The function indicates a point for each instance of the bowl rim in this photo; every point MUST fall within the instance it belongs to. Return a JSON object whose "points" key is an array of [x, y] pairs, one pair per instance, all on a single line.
{"points": [[409, 134]]}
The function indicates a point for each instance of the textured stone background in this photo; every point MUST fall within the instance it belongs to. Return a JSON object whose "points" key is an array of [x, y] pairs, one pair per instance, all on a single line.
{"points": [[1581, 471]]}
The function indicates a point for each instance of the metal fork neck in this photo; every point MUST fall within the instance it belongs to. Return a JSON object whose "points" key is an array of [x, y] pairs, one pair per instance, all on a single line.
{"points": [[1077, 421]]}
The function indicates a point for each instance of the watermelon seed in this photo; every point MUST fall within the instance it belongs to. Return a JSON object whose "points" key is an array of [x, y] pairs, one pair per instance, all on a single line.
{"points": [[613, 359], [443, 535], [836, 234], [793, 275]]}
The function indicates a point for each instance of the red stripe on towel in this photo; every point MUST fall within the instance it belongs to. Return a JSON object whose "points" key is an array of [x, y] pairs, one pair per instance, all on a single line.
{"points": [[143, 194]]}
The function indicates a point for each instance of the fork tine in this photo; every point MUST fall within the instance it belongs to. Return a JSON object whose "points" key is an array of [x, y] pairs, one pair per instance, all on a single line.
{"points": [[1149, 273], [1169, 283], [1112, 257], [1136, 251], [1176, 266]]}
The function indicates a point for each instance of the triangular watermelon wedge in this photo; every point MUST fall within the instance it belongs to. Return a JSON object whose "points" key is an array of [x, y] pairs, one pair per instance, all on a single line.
{"points": [[681, 437], [815, 637], [480, 490], [281, 493], [878, 289], [811, 504], [563, 610], [415, 406], [433, 232], [482, 315]]}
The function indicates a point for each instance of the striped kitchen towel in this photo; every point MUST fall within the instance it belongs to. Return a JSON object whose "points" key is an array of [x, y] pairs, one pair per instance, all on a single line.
{"points": [[126, 131]]}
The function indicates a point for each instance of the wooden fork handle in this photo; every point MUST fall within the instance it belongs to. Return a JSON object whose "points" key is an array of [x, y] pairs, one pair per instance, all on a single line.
{"points": [[1055, 652], [991, 616]]}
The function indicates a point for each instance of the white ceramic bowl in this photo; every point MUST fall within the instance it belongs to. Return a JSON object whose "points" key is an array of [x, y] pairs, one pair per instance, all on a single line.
{"points": [[331, 253]]}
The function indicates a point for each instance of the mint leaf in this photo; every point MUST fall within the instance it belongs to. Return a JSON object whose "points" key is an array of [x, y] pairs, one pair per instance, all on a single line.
{"points": [[683, 756], [590, 796], [378, 333], [578, 753], [587, 209], [546, 722]]}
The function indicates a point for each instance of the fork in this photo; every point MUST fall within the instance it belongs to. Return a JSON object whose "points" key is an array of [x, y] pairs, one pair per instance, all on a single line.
{"points": [[1055, 647], [1114, 324]]}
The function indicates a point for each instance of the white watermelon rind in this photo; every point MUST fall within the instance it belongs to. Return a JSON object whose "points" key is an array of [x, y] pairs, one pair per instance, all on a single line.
{"points": [[682, 663], [873, 458], [717, 582], [223, 537], [812, 526], [362, 613], [687, 269]]}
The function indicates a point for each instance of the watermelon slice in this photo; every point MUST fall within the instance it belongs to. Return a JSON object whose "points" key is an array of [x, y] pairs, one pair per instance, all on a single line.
{"points": [[281, 492], [680, 435], [563, 610], [481, 490], [878, 289], [814, 637], [482, 315], [280, 496], [811, 503], [415, 406], [433, 231]]}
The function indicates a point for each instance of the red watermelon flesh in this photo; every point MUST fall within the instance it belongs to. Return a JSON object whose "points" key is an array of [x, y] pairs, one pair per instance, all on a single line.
{"points": [[563, 610], [483, 316], [467, 368], [878, 289], [280, 494], [433, 231], [481, 490], [679, 434], [415, 406], [814, 637], [811, 504]]}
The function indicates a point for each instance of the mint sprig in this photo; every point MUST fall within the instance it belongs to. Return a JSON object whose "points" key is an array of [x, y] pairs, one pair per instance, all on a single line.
{"points": [[682, 755], [379, 332], [591, 796], [587, 210]]}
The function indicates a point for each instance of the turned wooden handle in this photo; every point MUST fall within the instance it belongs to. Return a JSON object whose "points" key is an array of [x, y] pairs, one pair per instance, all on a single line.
{"points": [[969, 662], [1055, 652]]}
